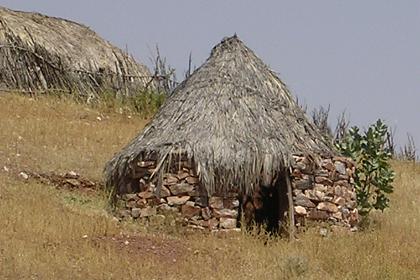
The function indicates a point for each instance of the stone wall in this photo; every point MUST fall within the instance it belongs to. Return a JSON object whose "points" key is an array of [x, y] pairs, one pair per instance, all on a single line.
{"points": [[324, 193], [182, 197]]}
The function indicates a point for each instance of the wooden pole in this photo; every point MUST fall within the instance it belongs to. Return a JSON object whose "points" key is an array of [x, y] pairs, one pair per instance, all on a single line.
{"points": [[291, 208]]}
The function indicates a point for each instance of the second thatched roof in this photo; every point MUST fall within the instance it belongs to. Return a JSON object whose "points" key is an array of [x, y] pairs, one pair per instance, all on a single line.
{"points": [[234, 117], [41, 53]]}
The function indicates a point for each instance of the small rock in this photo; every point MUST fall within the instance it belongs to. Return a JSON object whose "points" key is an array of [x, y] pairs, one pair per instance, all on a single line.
{"points": [[181, 188], [126, 242], [323, 232], [177, 200], [229, 213], [135, 212], [5, 169], [23, 175], [314, 195], [192, 180], [170, 180], [327, 206], [343, 183], [320, 187], [339, 201], [216, 202], [303, 184], [231, 203], [72, 174], [338, 215], [164, 191], [299, 210], [146, 195], [85, 236], [351, 204], [302, 200], [190, 211], [213, 223], [190, 203], [141, 203], [73, 182], [323, 181], [327, 164], [227, 223], [315, 214]]}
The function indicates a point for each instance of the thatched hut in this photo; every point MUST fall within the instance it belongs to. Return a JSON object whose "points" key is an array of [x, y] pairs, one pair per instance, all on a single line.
{"points": [[41, 53], [232, 141]]}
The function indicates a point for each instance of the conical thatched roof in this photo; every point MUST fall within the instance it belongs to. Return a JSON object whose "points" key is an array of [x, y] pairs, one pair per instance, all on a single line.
{"points": [[38, 52], [234, 117]]}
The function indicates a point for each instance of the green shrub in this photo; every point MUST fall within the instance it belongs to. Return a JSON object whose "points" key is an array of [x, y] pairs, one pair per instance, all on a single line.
{"points": [[374, 176]]}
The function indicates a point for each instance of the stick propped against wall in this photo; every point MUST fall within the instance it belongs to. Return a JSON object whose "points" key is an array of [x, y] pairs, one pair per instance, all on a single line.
{"points": [[291, 212]]}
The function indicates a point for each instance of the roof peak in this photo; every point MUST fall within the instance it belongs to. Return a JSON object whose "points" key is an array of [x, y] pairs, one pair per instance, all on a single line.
{"points": [[228, 43]]}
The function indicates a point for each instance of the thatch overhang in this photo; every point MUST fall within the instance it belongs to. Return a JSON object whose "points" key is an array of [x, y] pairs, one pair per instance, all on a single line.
{"points": [[234, 117], [42, 53]]}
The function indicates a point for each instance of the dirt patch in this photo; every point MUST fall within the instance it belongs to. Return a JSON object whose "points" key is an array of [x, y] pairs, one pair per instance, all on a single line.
{"points": [[163, 248], [69, 181]]}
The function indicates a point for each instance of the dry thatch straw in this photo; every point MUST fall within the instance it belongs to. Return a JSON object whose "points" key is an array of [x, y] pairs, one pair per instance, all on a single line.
{"points": [[234, 117], [40, 53]]}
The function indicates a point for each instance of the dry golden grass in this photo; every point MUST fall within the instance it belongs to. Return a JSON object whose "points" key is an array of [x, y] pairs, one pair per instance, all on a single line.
{"points": [[42, 229]]}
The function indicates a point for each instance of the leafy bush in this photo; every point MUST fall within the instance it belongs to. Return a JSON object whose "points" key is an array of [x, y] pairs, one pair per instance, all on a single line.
{"points": [[374, 176]]}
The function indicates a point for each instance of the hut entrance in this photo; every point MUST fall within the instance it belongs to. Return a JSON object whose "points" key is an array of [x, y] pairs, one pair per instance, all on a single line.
{"points": [[268, 205]]}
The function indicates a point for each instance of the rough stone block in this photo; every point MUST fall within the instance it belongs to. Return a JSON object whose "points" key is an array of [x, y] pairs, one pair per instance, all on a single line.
{"points": [[327, 206], [231, 203], [181, 188], [190, 211], [229, 213], [323, 181], [303, 184], [146, 194], [135, 212], [216, 202], [339, 201], [192, 180], [228, 223], [302, 200], [170, 179], [299, 210], [177, 200], [315, 214], [164, 192]]}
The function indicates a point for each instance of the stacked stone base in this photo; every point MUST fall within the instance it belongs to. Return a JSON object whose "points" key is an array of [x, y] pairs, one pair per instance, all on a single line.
{"points": [[324, 193], [320, 193], [182, 197]]}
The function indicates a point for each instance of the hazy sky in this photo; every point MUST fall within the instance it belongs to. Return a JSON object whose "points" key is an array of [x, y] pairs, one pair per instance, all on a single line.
{"points": [[361, 56]]}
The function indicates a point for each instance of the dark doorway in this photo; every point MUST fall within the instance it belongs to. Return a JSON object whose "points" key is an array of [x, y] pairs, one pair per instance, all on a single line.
{"points": [[267, 206]]}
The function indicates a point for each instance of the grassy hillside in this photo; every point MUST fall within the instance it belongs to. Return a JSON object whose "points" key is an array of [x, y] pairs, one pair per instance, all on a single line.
{"points": [[50, 233]]}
